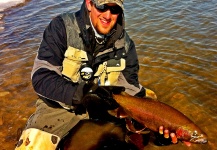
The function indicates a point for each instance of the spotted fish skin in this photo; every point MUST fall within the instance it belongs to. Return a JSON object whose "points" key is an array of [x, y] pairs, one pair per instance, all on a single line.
{"points": [[153, 114]]}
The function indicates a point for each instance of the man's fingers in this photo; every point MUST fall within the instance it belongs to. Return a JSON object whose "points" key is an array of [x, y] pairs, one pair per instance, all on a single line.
{"points": [[173, 138], [166, 134], [161, 129]]}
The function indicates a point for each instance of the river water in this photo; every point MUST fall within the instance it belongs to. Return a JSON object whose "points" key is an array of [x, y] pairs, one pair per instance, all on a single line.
{"points": [[177, 48]]}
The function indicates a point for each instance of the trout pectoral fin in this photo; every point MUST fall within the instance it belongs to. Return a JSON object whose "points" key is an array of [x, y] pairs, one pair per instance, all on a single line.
{"points": [[187, 143], [118, 112], [130, 126]]}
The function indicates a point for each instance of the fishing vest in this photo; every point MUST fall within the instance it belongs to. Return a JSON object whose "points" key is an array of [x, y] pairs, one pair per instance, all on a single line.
{"points": [[75, 56]]}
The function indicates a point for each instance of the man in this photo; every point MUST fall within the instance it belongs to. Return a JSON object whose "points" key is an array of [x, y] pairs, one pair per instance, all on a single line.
{"points": [[80, 53]]}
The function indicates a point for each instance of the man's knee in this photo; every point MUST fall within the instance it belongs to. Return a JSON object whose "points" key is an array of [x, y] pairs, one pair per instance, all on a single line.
{"points": [[36, 139]]}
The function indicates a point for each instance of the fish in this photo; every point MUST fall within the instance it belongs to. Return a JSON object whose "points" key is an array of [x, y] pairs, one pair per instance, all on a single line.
{"points": [[153, 114]]}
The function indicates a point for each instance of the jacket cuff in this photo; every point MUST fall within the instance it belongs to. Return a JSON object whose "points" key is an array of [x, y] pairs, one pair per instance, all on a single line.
{"points": [[78, 95]]}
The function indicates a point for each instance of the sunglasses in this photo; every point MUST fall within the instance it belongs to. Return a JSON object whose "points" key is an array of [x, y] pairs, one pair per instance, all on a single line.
{"points": [[113, 9]]}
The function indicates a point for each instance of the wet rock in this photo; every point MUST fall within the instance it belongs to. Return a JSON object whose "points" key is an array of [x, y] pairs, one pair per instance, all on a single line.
{"points": [[24, 118], [4, 93], [178, 96], [1, 120], [1, 28], [1, 16], [19, 133]]}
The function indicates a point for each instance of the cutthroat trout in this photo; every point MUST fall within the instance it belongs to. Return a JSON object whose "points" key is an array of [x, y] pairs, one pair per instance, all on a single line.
{"points": [[153, 114]]}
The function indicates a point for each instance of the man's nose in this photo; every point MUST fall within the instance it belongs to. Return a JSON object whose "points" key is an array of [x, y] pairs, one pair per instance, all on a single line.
{"points": [[107, 14]]}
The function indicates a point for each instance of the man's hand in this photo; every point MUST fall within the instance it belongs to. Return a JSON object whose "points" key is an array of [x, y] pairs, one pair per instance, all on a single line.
{"points": [[106, 92], [98, 101], [166, 133], [164, 137]]}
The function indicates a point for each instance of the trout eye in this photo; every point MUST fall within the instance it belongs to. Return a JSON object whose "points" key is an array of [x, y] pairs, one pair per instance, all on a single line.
{"points": [[195, 133]]}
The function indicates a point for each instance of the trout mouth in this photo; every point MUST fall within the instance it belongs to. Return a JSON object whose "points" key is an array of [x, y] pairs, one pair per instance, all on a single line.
{"points": [[199, 138]]}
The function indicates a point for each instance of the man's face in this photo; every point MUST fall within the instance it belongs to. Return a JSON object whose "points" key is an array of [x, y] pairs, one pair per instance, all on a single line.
{"points": [[103, 22]]}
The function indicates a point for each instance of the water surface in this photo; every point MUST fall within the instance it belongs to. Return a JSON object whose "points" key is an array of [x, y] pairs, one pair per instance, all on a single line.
{"points": [[177, 48]]}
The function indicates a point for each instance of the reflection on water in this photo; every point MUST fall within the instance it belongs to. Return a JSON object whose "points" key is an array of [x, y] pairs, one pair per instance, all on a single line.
{"points": [[177, 48]]}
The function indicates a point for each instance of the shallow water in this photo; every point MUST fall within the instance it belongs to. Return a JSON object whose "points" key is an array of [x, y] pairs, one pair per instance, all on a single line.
{"points": [[177, 48]]}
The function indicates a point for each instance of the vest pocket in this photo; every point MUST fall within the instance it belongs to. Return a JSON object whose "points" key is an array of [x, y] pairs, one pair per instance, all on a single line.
{"points": [[109, 71], [72, 63], [71, 69]]}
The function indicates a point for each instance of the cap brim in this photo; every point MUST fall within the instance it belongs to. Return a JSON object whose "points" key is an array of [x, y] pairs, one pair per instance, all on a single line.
{"points": [[101, 2]]}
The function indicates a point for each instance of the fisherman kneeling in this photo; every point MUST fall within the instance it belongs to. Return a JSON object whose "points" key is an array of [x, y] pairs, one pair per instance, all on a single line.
{"points": [[91, 44]]}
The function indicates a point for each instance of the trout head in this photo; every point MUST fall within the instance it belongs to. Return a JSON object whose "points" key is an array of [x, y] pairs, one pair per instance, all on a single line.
{"points": [[193, 136]]}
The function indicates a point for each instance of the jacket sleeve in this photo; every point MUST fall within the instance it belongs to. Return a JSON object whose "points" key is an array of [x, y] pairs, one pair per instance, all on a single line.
{"points": [[129, 76], [46, 75]]}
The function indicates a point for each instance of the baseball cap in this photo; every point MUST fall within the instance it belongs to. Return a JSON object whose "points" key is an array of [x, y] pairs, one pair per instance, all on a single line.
{"points": [[101, 2]]}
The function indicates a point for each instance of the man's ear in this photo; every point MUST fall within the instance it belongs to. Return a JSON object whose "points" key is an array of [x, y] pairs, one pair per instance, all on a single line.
{"points": [[88, 5]]}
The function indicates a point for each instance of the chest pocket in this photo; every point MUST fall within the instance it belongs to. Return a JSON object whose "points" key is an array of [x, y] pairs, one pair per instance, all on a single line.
{"points": [[109, 71], [72, 63]]}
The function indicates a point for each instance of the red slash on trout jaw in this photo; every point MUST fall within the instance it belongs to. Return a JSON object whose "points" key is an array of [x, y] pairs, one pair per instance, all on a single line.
{"points": [[193, 137]]}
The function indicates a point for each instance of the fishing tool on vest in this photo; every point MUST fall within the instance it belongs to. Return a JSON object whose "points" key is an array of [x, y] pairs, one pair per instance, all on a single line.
{"points": [[86, 72]]}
